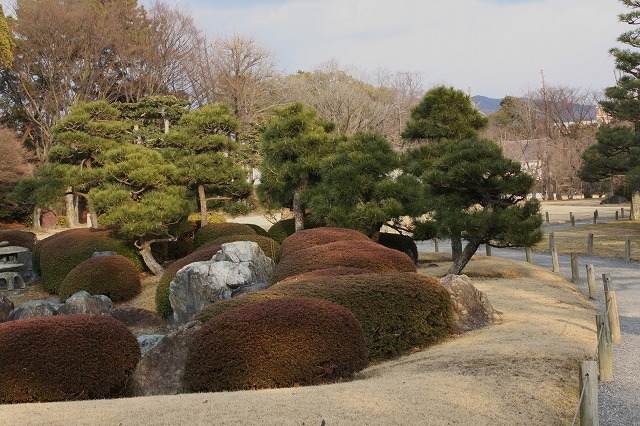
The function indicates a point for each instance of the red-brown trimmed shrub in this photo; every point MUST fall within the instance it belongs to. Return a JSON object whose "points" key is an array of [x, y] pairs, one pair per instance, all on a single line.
{"points": [[276, 343], [270, 248], [357, 254], [328, 272], [60, 253], [62, 358], [163, 305], [210, 232], [317, 236], [18, 238], [114, 276], [397, 311]]}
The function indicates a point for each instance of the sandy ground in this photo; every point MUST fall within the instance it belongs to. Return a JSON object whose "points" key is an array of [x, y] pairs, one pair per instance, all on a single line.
{"points": [[522, 371]]}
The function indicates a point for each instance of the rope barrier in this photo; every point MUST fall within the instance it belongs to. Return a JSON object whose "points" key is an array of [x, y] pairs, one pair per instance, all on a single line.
{"points": [[575, 417]]}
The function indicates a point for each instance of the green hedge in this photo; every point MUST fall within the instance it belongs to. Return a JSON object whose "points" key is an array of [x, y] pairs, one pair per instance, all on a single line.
{"points": [[212, 231], [65, 358], [270, 247], [276, 343], [163, 305], [114, 276], [401, 243], [259, 229], [355, 253], [60, 253], [317, 236], [397, 311]]}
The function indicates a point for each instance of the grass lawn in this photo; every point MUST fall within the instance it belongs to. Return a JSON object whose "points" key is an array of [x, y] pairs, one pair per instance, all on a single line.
{"points": [[608, 239]]}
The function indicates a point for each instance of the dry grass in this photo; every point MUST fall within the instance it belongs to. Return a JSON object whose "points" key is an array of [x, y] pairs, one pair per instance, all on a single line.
{"points": [[437, 264], [146, 299], [608, 239]]}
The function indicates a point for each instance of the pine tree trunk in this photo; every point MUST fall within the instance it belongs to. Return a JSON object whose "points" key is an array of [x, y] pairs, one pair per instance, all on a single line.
{"points": [[298, 212], [149, 260], [37, 215], [461, 261], [203, 205], [94, 219], [71, 202], [456, 245], [635, 205]]}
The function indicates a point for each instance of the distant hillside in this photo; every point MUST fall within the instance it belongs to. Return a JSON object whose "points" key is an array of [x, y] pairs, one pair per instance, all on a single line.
{"points": [[486, 105]]}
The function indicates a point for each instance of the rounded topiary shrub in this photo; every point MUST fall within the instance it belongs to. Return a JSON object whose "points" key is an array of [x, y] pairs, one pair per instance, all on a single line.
{"points": [[212, 231], [114, 276], [280, 230], [270, 248], [276, 343], [397, 311], [163, 305], [356, 253], [18, 238], [401, 243], [62, 358], [60, 253], [259, 229], [316, 236]]}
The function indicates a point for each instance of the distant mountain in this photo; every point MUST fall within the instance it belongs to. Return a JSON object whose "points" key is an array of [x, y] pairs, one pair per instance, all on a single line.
{"points": [[486, 105]]}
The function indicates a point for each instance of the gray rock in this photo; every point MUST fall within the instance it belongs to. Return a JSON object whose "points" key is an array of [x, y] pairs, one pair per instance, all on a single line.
{"points": [[161, 369], [250, 288], [236, 265], [471, 308], [84, 303], [140, 321], [26, 271], [6, 306], [103, 253], [35, 308], [148, 342]]}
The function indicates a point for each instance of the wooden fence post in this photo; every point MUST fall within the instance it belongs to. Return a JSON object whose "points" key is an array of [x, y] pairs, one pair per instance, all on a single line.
{"points": [[435, 245], [487, 249], [546, 214], [590, 245], [554, 257], [627, 249], [574, 269], [622, 212], [591, 281], [589, 392], [605, 362], [614, 317], [595, 217], [617, 215], [527, 253], [552, 241], [606, 282], [573, 219]]}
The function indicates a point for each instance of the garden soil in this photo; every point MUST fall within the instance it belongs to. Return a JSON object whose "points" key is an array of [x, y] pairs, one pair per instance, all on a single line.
{"points": [[521, 371]]}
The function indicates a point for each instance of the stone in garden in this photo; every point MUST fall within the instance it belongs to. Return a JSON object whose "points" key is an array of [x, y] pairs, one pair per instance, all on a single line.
{"points": [[148, 342], [84, 303], [27, 272], [140, 321], [35, 308], [6, 306], [161, 369], [236, 265], [471, 308]]}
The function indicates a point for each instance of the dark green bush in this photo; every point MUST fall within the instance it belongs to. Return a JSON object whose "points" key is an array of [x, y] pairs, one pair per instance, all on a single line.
{"points": [[280, 230], [212, 231], [276, 343], [397, 311], [317, 236], [64, 358], [401, 243], [356, 253], [270, 248], [259, 229], [18, 238], [163, 305], [60, 253], [114, 276]]}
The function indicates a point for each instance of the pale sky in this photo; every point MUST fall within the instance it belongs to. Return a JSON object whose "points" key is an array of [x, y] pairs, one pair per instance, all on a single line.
{"points": [[488, 47]]}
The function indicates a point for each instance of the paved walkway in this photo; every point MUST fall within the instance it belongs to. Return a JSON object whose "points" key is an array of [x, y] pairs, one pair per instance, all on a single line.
{"points": [[619, 400]]}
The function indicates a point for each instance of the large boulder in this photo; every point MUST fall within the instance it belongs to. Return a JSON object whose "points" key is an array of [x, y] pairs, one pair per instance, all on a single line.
{"points": [[161, 369], [35, 308], [148, 342], [84, 303], [236, 266], [6, 306], [140, 321], [471, 308]]}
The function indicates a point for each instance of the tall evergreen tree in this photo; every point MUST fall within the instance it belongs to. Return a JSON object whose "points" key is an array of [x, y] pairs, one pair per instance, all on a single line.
{"points": [[617, 152]]}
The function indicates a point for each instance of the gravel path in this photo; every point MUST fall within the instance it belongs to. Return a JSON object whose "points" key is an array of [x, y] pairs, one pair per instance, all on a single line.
{"points": [[619, 400]]}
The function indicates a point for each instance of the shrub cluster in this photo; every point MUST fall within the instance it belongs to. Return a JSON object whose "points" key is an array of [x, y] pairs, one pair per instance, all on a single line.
{"points": [[114, 276], [57, 255], [212, 231], [276, 343], [317, 236], [259, 229], [62, 358], [397, 311], [211, 218], [355, 253], [18, 238], [401, 243], [280, 230], [163, 305], [270, 248]]}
